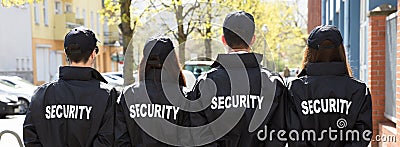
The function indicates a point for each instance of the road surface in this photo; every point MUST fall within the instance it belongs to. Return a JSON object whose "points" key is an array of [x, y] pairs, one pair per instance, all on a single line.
{"points": [[13, 123]]}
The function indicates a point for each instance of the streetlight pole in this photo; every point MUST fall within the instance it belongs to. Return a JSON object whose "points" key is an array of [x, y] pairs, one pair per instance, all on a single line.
{"points": [[265, 30], [278, 47], [117, 45]]}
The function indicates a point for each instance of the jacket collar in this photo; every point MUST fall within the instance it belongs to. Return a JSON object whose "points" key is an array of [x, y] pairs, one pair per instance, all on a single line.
{"points": [[249, 60], [80, 73], [324, 68]]}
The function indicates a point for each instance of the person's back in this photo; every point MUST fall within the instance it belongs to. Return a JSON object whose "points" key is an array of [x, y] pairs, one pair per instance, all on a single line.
{"points": [[326, 98], [326, 105], [237, 83], [254, 97], [146, 102], [78, 108]]}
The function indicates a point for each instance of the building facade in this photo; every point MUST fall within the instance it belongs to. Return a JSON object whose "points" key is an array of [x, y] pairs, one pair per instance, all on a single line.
{"points": [[51, 20], [16, 40], [370, 33]]}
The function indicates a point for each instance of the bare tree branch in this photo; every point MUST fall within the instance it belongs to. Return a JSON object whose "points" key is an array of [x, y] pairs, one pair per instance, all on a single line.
{"points": [[191, 9], [163, 20]]}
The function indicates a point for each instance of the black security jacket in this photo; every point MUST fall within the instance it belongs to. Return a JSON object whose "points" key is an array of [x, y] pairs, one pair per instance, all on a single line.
{"points": [[77, 86], [129, 133], [318, 101], [227, 79]]}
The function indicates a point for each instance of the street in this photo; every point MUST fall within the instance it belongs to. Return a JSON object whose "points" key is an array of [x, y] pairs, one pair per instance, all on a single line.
{"points": [[13, 123]]}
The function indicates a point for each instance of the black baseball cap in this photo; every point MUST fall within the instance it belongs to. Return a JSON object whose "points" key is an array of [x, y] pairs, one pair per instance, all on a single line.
{"points": [[82, 38], [322, 33], [242, 24], [158, 49]]}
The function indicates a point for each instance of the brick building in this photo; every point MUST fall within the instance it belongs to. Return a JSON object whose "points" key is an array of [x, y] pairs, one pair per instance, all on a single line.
{"points": [[371, 35]]}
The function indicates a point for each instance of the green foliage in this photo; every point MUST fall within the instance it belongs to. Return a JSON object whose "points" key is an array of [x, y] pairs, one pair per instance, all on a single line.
{"points": [[277, 24], [111, 11], [284, 37], [16, 3]]}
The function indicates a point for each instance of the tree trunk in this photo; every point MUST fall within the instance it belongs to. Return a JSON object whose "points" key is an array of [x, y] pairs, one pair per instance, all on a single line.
{"points": [[182, 52], [181, 32], [207, 40], [207, 43], [127, 33], [128, 62]]}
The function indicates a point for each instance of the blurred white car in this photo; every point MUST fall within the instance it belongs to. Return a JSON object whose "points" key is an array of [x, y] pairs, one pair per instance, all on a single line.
{"points": [[198, 67], [115, 74], [24, 96], [19, 83], [113, 79], [118, 78], [294, 72], [9, 105]]}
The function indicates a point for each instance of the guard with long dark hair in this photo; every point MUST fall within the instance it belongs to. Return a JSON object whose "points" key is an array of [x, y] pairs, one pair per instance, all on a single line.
{"points": [[327, 106], [147, 102]]}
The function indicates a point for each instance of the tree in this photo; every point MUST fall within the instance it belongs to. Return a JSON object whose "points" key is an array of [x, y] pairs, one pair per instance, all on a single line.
{"points": [[285, 36], [207, 15], [205, 28], [16, 3], [183, 13], [119, 12]]}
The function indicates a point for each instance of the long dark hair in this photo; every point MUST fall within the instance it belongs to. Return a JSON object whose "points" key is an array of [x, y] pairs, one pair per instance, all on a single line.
{"points": [[156, 50], [337, 54]]}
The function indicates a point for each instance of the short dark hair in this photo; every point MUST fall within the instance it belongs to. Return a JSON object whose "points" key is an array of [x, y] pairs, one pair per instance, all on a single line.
{"points": [[79, 44], [75, 54], [238, 29], [233, 40]]}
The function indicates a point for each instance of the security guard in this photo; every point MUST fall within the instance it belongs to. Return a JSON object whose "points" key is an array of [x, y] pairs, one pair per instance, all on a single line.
{"points": [[145, 105], [237, 83], [327, 106], [78, 108]]}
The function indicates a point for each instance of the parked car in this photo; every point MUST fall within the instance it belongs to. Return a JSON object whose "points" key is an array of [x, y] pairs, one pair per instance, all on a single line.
{"points": [[294, 72], [118, 85], [9, 105], [19, 83], [198, 67], [24, 96], [116, 74], [117, 77], [113, 79]]}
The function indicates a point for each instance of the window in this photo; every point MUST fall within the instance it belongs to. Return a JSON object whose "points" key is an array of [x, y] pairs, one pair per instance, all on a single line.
{"points": [[42, 64], [105, 30], [331, 10], [36, 13], [84, 17], [98, 24], [58, 7], [326, 12], [45, 13], [390, 67], [363, 42], [68, 8], [338, 5], [77, 13], [92, 20]]}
